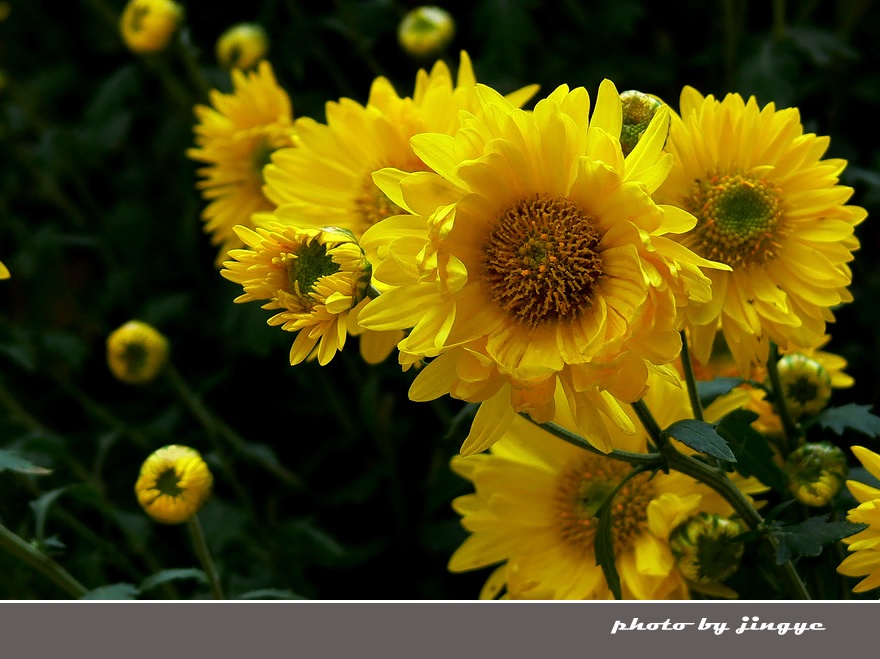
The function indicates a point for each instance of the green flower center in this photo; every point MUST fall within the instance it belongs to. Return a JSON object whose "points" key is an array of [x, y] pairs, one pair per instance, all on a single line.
{"points": [[737, 220], [168, 483], [583, 489], [541, 262], [306, 267]]}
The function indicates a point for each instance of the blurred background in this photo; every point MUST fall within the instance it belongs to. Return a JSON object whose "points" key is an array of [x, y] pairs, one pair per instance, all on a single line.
{"points": [[329, 483]]}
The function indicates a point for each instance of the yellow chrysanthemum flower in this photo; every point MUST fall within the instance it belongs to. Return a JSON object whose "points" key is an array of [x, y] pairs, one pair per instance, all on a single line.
{"points": [[136, 352], [236, 137], [328, 177], [815, 472], [864, 546], [771, 208], [534, 506], [533, 256], [242, 46], [173, 484], [316, 278], [4, 271], [147, 26]]}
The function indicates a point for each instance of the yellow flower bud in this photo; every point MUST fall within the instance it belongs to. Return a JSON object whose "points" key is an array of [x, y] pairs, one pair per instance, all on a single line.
{"points": [[816, 471], [4, 271], [148, 25], [173, 484], [242, 46], [706, 549], [136, 352], [425, 31], [806, 385], [638, 110]]}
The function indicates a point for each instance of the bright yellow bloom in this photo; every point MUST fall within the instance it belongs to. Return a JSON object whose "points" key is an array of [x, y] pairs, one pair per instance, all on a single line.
{"points": [[4, 271], [236, 138], [425, 31], [316, 278], [864, 546], [771, 208], [136, 352], [534, 504], [242, 46], [148, 25], [533, 257], [174, 483], [327, 179]]}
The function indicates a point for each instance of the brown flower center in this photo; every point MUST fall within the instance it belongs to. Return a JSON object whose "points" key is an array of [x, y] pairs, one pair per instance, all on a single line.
{"points": [[541, 261]]}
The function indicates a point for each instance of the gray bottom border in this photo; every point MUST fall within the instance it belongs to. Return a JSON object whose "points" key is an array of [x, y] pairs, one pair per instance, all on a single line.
{"points": [[434, 629]]}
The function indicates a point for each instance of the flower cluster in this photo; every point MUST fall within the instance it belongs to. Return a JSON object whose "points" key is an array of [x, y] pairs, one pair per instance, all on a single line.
{"points": [[573, 270]]}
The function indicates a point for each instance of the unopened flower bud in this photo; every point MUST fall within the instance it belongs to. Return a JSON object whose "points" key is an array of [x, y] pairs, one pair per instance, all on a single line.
{"points": [[806, 385], [816, 472], [242, 46], [174, 482], [638, 110], [425, 31], [148, 25], [706, 547], [136, 352]]}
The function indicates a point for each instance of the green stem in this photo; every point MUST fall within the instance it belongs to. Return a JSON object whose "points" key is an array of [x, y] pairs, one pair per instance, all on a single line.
{"points": [[201, 547], [650, 423], [642, 459], [42, 563], [793, 434], [689, 377]]}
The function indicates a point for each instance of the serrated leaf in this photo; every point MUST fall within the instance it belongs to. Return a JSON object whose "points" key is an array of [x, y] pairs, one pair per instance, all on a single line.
{"points": [[117, 591], [269, 594], [850, 416], [809, 537], [12, 461], [754, 457], [712, 389], [702, 437], [173, 575]]}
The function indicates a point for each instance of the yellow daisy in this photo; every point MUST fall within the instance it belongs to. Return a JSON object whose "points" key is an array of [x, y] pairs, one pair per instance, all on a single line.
{"points": [[864, 546], [771, 208], [174, 483], [532, 256], [315, 278], [235, 137], [534, 504]]}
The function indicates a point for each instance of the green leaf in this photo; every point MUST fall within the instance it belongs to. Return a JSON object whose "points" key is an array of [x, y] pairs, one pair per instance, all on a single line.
{"points": [[164, 576], [754, 457], [269, 594], [809, 537], [41, 507], [117, 591], [12, 461], [852, 416], [712, 389], [702, 437]]}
